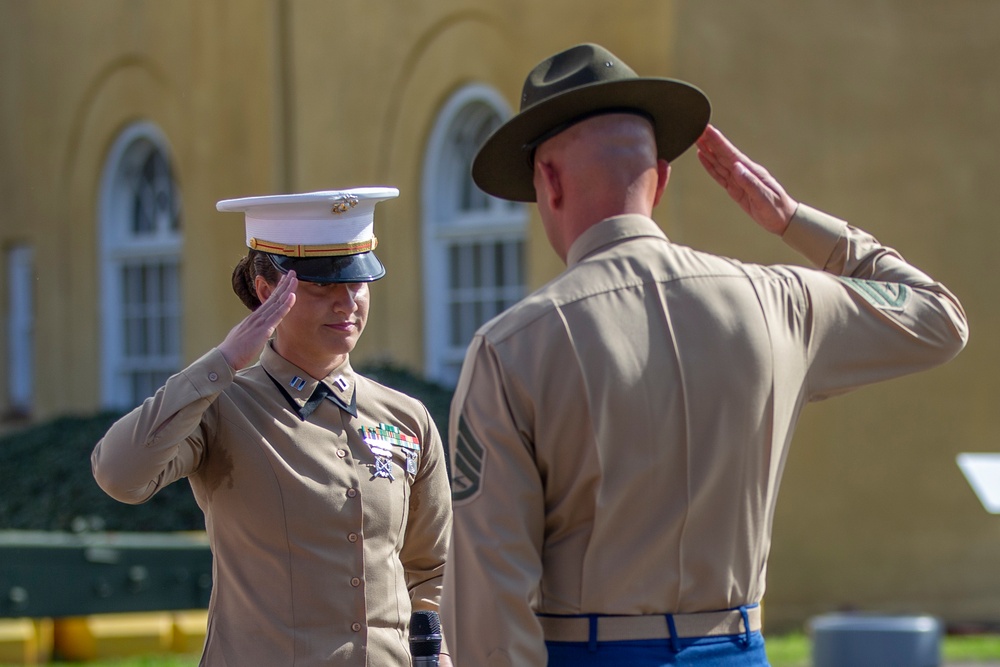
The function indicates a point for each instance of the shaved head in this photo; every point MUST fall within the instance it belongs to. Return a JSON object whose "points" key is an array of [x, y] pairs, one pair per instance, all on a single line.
{"points": [[602, 166]]}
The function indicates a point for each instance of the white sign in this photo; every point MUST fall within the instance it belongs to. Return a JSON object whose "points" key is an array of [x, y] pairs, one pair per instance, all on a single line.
{"points": [[983, 473]]}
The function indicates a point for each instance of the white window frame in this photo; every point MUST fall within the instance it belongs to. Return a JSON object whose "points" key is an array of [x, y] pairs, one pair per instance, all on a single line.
{"points": [[118, 248], [20, 260], [446, 173]]}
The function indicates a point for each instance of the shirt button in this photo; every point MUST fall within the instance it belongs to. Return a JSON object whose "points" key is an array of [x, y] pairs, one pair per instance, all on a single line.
{"points": [[341, 453], [356, 627], [352, 493], [213, 376], [353, 537], [355, 582]]}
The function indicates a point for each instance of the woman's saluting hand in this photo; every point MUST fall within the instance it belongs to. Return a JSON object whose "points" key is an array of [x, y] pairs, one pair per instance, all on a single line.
{"points": [[245, 341]]}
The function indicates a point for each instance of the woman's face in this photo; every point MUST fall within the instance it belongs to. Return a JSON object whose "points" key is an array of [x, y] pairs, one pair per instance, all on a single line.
{"points": [[324, 325]]}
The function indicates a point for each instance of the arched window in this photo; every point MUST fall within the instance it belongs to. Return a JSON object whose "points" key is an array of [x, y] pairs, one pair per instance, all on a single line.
{"points": [[474, 264], [140, 263]]}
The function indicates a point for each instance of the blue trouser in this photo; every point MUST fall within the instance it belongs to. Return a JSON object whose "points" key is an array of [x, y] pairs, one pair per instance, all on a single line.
{"points": [[745, 649], [721, 651]]}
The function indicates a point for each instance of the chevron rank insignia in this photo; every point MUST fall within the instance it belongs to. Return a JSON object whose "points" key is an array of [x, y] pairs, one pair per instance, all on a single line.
{"points": [[882, 295], [470, 459]]}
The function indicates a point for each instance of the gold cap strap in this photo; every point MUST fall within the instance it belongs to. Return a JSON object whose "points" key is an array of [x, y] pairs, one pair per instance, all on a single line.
{"points": [[330, 250]]}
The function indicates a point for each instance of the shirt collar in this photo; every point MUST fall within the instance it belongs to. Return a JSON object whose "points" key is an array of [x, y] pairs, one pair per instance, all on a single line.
{"points": [[610, 231], [299, 385]]}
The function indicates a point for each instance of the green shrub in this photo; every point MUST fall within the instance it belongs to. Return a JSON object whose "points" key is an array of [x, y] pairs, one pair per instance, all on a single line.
{"points": [[434, 396], [47, 484]]}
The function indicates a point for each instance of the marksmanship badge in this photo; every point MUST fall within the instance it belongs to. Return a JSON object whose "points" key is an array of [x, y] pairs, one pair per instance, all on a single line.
{"points": [[383, 468], [381, 440]]}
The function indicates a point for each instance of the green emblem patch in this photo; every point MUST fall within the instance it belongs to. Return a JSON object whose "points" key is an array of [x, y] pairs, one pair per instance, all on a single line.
{"points": [[467, 470], [885, 296]]}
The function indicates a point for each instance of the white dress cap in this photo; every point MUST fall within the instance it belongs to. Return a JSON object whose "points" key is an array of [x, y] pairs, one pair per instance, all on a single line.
{"points": [[311, 224]]}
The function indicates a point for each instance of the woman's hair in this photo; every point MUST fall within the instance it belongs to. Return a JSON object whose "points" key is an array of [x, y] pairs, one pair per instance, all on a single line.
{"points": [[256, 263]]}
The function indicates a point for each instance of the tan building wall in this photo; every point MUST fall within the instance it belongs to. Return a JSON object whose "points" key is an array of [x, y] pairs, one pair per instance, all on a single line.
{"points": [[884, 113], [74, 76], [880, 112]]}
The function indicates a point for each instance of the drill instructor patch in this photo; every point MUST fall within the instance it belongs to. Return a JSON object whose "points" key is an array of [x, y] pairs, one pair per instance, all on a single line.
{"points": [[467, 468], [884, 296]]}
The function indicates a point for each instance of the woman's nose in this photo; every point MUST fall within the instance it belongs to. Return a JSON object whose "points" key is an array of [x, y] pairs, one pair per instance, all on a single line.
{"points": [[344, 300]]}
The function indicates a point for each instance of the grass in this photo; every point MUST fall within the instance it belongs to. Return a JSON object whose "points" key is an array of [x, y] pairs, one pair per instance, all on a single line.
{"points": [[793, 650], [788, 650], [782, 651], [968, 648]]}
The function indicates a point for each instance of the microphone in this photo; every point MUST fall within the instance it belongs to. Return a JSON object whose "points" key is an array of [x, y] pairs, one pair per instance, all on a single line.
{"points": [[425, 638]]}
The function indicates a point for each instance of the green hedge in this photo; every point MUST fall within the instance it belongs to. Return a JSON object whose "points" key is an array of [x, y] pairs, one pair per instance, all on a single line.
{"points": [[434, 396], [46, 483]]}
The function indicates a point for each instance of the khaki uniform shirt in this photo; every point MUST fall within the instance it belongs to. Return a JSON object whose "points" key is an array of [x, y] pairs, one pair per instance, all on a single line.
{"points": [[320, 549], [617, 438]]}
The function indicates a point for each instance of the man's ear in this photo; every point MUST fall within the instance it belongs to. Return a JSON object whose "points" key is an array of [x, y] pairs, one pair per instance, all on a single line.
{"points": [[662, 177], [553, 190], [262, 287]]}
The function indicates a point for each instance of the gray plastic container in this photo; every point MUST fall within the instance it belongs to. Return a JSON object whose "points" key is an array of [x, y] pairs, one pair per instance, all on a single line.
{"points": [[868, 640]]}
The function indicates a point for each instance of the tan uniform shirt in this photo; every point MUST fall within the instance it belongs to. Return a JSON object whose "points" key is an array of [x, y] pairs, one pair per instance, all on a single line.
{"points": [[320, 549], [617, 438]]}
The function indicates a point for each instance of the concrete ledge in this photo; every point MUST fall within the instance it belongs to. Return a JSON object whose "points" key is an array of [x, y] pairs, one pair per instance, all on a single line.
{"points": [[190, 628], [113, 635], [25, 641]]}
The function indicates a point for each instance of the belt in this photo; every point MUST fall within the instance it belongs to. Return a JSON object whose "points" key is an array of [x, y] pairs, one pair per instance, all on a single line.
{"points": [[631, 628]]}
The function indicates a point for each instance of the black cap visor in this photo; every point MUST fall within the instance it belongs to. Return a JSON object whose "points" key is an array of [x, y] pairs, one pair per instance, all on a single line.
{"points": [[361, 268]]}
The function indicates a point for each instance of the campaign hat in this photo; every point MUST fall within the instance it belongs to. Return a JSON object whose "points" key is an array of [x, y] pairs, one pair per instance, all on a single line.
{"points": [[573, 85]]}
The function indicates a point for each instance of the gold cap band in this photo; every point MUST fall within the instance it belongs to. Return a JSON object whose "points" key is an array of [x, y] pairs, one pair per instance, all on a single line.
{"points": [[331, 250]]}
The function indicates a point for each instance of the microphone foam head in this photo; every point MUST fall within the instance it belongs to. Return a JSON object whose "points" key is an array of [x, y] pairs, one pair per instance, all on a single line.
{"points": [[425, 623], [425, 634]]}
